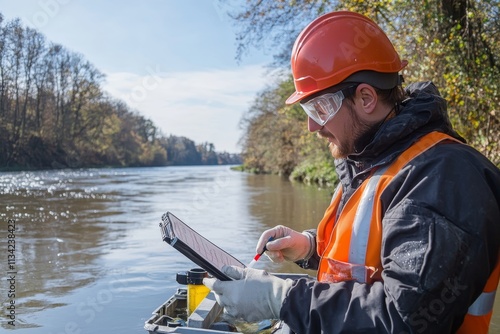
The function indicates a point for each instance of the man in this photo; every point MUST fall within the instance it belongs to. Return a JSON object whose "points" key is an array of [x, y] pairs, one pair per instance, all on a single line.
{"points": [[410, 242]]}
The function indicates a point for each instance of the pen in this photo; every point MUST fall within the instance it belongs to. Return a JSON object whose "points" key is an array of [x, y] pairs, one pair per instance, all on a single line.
{"points": [[257, 257]]}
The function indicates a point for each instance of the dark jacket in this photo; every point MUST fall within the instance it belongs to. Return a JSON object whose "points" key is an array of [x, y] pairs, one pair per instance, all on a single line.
{"points": [[441, 231]]}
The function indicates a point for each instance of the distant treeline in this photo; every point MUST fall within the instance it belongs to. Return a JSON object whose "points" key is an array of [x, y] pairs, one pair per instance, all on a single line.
{"points": [[54, 114]]}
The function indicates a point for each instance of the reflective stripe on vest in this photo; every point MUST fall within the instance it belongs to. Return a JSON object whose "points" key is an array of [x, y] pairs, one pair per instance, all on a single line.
{"points": [[361, 228], [483, 304]]}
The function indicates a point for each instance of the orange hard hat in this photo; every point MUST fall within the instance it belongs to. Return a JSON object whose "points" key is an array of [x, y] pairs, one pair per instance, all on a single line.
{"points": [[340, 47]]}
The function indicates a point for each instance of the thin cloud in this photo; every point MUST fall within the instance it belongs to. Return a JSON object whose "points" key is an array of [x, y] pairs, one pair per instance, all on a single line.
{"points": [[205, 106]]}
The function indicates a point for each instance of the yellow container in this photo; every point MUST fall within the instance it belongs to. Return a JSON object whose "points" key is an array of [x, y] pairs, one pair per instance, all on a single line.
{"points": [[196, 291]]}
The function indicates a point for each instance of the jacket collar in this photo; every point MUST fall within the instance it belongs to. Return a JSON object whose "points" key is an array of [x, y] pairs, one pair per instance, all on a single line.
{"points": [[422, 112]]}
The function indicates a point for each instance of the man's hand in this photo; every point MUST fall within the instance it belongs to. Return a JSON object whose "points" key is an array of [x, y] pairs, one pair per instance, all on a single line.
{"points": [[287, 245], [254, 295]]}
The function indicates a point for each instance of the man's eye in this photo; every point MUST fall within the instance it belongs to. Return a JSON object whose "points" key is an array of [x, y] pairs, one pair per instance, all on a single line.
{"points": [[322, 113], [320, 109]]}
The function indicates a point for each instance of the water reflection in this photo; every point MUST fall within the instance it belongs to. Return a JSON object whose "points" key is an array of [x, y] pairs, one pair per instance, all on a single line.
{"points": [[59, 236]]}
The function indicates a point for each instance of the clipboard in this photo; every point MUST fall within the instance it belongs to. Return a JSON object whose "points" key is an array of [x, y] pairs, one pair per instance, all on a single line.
{"points": [[196, 247]]}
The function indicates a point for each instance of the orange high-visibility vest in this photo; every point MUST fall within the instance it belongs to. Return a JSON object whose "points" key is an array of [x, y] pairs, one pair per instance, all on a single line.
{"points": [[350, 245]]}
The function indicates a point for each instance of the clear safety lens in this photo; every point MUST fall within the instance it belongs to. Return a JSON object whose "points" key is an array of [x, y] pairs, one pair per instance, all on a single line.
{"points": [[322, 108]]}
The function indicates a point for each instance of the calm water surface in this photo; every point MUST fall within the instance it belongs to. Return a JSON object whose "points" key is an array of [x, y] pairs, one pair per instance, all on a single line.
{"points": [[89, 254]]}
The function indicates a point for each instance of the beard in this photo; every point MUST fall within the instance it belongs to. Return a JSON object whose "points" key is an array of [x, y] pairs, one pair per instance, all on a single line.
{"points": [[360, 131], [337, 151]]}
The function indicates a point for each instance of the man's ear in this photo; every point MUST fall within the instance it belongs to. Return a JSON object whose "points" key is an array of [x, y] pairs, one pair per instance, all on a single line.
{"points": [[369, 98]]}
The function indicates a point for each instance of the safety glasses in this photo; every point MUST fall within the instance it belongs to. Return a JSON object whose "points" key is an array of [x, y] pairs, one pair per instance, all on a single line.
{"points": [[322, 108]]}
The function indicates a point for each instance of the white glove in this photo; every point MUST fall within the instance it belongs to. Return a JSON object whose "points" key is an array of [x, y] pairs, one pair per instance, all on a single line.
{"points": [[287, 245], [253, 296]]}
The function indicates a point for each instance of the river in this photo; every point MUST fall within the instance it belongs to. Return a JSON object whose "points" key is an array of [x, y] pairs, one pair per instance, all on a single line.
{"points": [[88, 251]]}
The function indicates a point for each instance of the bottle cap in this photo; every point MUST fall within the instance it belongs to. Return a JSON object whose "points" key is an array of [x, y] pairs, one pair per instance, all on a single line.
{"points": [[194, 276]]}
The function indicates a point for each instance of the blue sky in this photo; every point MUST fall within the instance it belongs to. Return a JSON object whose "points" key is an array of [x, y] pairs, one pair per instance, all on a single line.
{"points": [[171, 60]]}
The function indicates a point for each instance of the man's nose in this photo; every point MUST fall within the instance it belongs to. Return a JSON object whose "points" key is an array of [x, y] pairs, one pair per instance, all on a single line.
{"points": [[312, 125]]}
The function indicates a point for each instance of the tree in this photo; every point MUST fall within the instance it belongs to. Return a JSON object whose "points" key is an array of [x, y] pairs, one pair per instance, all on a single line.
{"points": [[181, 151], [207, 153], [277, 140]]}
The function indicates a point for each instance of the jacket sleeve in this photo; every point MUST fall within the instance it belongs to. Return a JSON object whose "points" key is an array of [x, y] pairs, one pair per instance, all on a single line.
{"points": [[439, 246]]}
